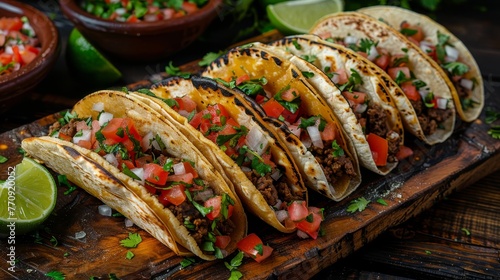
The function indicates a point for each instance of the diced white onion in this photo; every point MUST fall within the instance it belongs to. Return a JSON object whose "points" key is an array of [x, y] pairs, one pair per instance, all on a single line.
{"points": [[278, 204], [423, 92], [295, 129], [183, 113], [80, 234], [179, 168], [302, 234], [451, 53], [315, 136], [139, 172], [276, 175], [150, 17], [306, 141], [204, 195], [8, 50], [147, 141], [105, 117], [256, 140], [426, 46], [85, 136], [246, 169], [111, 158], [392, 135], [281, 215], [372, 53], [128, 223], [98, 106], [105, 210], [466, 83], [350, 40], [442, 103], [335, 78], [120, 11], [360, 108]]}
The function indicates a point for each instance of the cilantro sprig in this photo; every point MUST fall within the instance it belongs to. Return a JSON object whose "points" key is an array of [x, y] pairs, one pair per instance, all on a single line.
{"points": [[352, 82], [132, 241], [233, 265], [176, 71], [359, 205]]}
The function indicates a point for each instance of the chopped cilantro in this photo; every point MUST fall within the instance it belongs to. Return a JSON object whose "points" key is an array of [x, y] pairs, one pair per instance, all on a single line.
{"points": [[337, 150], [354, 80], [308, 75], [252, 87], [187, 261], [466, 231], [400, 60], [428, 252], [259, 248], [357, 205], [202, 209], [408, 31], [131, 241], [296, 45], [63, 181], [129, 172], [491, 115], [3, 159], [54, 241], [112, 276], [56, 275], [129, 255], [494, 131], [456, 68], [209, 58], [291, 106], [309, 58], [382, 201], [235, 261], [232, 138], [176, 71]]}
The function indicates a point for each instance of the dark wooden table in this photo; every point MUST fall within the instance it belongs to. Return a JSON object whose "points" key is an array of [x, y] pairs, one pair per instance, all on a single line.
{"points": [[458, 238]]}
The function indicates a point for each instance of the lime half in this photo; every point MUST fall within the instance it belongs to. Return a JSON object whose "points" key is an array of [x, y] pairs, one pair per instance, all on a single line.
{"points": [[89, 64], [298, 17], [27, 197]]}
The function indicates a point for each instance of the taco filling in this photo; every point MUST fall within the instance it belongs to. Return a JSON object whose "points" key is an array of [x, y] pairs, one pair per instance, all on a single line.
{"points": [[448, 57], [173, 181], [247, 147], [320, 137], [432, 110]]}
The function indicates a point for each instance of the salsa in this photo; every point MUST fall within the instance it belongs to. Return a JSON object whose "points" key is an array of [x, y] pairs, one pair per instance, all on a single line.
{"points": [[18, 44], [172, 180], [141, 10]]}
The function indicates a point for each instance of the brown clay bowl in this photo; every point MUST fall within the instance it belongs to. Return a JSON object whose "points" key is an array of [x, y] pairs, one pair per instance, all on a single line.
{"points": [[15, 85], [140, 41]]}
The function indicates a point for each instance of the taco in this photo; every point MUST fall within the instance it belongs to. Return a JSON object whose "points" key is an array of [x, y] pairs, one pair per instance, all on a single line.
{"points": [[262, 173], [121, 152], [426, 106], [302, 119], [444, 48], [356, 95]]}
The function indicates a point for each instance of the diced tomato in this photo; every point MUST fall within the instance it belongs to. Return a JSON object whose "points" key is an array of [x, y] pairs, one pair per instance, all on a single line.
{"points": [[112, 130], [128, 163], [260, 98], [410, 91], [242, 79], [151, 190], [292, 117], [186, 178], [394, 71], [342, 76], [214, 202], [310, 225], [397, 61], [132, 18], [189, 169], [168, 13], [205, 125], [85, 144], [329, 133], [196, 120], [189, 7], [221, 241], [290, 94], [230, 210], [11, 23], [418, 36], [27, 56], [175, 194], [355, 96], [217, 111], [383, 61], [5, 58], [132, 130], [266, 158], [186, 104], [227, 130], [273, 108], [65, 137], [128, 144], [16, 56], [404, 152], [363, 54], [379, 148], [249, 244], [297, 210], [155, 174]]}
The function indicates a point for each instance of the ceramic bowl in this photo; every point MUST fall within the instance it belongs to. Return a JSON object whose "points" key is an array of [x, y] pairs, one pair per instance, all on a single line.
{"points": [[15, 85], [140, 41]]}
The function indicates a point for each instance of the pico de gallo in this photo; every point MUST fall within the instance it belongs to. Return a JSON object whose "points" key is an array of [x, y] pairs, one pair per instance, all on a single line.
{"points": [[431, 109], [18, 44], [141, 10], [448, 57], [173, 181], [320, 137], [250, 149]]}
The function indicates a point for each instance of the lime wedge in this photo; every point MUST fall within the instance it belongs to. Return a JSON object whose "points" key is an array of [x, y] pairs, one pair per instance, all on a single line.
{"points": [[298, 17], [89, 64], [27, 197]]}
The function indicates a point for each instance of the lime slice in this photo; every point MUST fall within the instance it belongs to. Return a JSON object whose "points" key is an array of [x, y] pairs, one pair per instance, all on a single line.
{"points": [[298, 17], [27, 197], [88, 62]]}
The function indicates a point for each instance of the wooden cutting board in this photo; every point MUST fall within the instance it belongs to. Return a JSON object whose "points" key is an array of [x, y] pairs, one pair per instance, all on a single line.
{"points": [[418, 183]]}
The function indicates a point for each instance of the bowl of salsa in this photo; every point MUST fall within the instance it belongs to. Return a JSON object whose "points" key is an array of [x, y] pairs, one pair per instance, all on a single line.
{"points": [[140, 30], [29, 47]]}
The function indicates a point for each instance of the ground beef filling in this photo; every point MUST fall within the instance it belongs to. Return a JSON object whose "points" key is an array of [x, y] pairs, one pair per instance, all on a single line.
{"points": [[333, 167], [186, 212], [68, 129], [272, 190], [375, 121], [430, 119]]}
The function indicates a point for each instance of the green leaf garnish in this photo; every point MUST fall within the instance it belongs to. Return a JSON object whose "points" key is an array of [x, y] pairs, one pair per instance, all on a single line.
{"points": [[129, 255], [56, 275], [357, 205], [131, 241], [176, 71], [209, 58]]}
